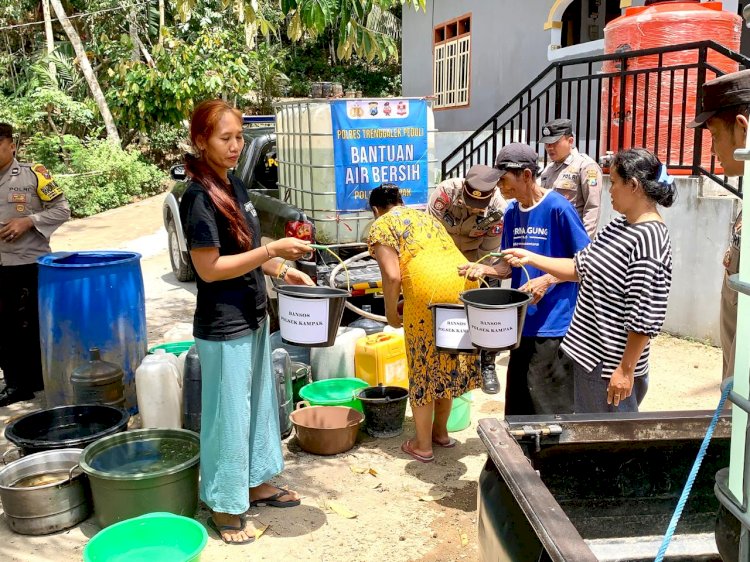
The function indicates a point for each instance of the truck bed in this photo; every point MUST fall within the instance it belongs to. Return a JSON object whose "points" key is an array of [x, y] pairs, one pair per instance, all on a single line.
{"points": [[597, 487]]}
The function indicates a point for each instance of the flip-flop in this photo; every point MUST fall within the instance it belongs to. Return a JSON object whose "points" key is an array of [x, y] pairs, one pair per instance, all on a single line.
{"points": [[406, 448], [219, 529], [274, 501], [449, 445]]}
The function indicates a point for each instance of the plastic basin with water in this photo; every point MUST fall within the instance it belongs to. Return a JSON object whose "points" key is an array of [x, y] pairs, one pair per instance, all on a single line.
{"points": [[384, 409], [155, 537], [143, 471], [174, 347]]}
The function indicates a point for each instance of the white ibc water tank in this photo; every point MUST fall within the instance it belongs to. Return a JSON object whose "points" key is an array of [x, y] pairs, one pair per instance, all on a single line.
{"points": [[304, 144], [158, 385]]}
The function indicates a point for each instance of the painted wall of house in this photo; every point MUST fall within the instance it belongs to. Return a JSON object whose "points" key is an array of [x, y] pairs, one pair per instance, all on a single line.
{"points": [[509, 48], [699, 227]]}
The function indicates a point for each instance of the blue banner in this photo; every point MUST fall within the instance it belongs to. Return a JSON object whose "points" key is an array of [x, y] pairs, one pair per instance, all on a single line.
{"points": [[375, 142]]}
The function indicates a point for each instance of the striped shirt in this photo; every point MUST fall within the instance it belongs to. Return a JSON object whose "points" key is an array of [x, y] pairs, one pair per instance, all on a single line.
{"points": [[625, 275]]}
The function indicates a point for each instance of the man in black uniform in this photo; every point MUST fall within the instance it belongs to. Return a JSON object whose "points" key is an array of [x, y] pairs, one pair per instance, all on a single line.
{"points": [[32, 206]]}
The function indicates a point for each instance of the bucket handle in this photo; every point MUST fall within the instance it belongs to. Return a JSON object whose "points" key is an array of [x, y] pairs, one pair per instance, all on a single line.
{"points": [[355, 396], [384, 399], [302, 404], [16, 449], [500, 255], [70, 476]]}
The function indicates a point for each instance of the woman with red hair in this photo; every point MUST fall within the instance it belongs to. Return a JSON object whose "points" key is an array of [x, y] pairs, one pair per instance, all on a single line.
{"points": [[240, 436]]}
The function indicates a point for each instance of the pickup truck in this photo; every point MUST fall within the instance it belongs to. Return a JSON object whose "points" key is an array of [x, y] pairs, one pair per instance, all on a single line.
{"points": [[602, 487], [258, 171]]}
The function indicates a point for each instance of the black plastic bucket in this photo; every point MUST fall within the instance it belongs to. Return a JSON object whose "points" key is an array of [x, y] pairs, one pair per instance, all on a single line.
{"points": [[384, 408], [65, 427], [310, 316], [450, 328], [495, 317]]}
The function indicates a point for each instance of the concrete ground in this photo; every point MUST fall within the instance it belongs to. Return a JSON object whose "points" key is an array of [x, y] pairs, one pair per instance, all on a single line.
{"points": [[404, 510]]}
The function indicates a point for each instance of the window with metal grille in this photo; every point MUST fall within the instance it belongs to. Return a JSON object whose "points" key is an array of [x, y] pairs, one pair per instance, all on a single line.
{"points": [[452, 63]]}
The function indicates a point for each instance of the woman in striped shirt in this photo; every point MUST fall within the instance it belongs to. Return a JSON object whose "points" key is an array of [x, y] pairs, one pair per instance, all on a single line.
{"points": [[625, 276]]}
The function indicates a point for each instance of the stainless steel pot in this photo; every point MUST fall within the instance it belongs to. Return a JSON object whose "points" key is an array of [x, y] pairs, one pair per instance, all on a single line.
{"points": [[47, 507]]}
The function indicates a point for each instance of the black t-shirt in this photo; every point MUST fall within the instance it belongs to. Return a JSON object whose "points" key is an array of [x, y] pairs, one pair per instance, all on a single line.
{"points": [[231, 308]]}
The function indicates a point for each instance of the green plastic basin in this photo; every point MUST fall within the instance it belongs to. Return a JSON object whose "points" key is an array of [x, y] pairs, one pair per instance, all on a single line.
{"points": [[155, 537], [175, 347], [334, 392]]}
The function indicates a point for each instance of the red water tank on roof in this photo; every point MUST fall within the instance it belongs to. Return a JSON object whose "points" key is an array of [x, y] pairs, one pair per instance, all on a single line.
{"points": [[653, 97]]}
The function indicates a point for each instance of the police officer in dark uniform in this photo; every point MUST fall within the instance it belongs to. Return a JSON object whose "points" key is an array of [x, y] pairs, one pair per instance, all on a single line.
{"points": [[32, 206], [471, 209]]}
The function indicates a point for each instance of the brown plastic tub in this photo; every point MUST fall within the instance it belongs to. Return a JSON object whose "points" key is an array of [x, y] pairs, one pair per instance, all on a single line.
{"points": [[326, 430]]}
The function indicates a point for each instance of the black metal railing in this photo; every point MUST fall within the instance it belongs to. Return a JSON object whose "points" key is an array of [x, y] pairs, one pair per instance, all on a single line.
{"points": [[638, 98]]}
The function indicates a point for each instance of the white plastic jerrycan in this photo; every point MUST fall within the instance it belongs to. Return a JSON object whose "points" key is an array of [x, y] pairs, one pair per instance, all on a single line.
{"points": [[158, 386], [337, 361]]}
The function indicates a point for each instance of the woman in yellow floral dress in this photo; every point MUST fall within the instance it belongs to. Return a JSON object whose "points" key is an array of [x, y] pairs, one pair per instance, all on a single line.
{"points": [[417, 256]]}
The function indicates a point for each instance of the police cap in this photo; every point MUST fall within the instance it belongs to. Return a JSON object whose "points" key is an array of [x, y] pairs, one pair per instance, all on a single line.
{"points": [[555, 130], [479, 185], [722, 93]]}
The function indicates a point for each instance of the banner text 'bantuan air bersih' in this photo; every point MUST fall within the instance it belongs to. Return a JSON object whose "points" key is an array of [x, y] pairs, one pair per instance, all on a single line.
{"points": [[379, 141]]}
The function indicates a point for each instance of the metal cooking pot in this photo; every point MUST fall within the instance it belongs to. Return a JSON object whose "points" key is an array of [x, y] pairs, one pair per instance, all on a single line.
{"points": [[48, 507]]}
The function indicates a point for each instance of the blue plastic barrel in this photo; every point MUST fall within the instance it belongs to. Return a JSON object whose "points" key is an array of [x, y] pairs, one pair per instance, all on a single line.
{"points": [[90, 299]]}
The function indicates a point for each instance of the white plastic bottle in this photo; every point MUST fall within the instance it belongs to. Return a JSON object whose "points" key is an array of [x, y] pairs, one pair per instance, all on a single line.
{"points": [[158, 386]]}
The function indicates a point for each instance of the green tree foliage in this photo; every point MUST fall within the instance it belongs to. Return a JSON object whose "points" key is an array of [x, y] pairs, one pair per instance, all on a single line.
{"points": [[184, 74], [98, 175], [267, 65], [47, 110], [356, 25], [310, 61], [250, 52]]}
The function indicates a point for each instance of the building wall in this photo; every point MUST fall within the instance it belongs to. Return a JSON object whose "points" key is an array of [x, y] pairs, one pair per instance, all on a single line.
{"points": [[699, 228], [509, 49]]}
